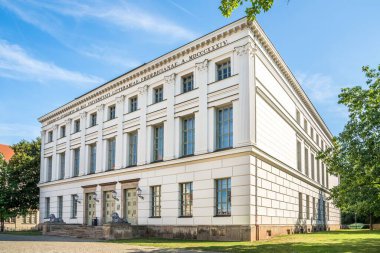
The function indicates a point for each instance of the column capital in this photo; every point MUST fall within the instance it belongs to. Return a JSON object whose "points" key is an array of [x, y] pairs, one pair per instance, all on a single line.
{"points": [[100, 108], [170, 79], [249, 48], [201, 66], [143, 89], [120, 99], [68, 121], [55, 127], [83, 115]]}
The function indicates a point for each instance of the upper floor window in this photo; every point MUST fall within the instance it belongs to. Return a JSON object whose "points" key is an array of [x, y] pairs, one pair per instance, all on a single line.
{"points": [[63, 131], [74, 206], [76, 126], [300, 203], [132, 149], [223, 196], [92, 148], [93, 119], [188, 136], [76, 162], [299, 164], [49, 168], [111, 112], [223, 70], [50, 136], [186, 199], [111, 154], [306, 162], [312, 160], [62, 163], [305, 125], [317, 139], [307, 207], [187, 83], [312, 133], [158, 94], [133, 104], [298, 117], [158, 143], [156, 201], [224, 131], [47, 207]]}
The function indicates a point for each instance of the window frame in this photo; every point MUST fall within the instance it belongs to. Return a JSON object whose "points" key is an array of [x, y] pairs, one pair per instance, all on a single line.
{"points": [[220, 127], [221, 66], [62, 165], [93, 119], [158, 144], [133, 103], [132, 148], [187, 82], [77, 126], [186, 133], [112, 112], [219, 199], [74, 207], [76, 162], [63, 131], [49, 169], [111, 153], [158, 94], [186, 203], [47, 207], [59, 207], [92, 158], [155, 201]]}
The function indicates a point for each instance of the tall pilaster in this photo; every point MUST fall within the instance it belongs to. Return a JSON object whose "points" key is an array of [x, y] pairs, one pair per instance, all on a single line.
{"points": [[67, 151], [201, 118], [82, 160], [99, 142], [54, 173], [142, 133], [119, 137], [42, 163], [169, 137], [245, 113]]}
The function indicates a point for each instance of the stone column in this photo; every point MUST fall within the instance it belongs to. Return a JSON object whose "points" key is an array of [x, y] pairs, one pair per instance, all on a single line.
{"points": [[99, 142], [245, 113], [142, 133], [169, 137], [201, 118], [54, 173], [82, 157], [42, 157], [119, 137], [68, 151]]}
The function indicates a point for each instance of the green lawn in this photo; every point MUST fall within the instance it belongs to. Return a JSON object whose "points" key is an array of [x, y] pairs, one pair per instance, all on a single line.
{"points": [[24, 232], [335, 241]]}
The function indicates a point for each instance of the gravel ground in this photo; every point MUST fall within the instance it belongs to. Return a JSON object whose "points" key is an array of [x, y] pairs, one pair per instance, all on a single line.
{"points": [[54, 244]]}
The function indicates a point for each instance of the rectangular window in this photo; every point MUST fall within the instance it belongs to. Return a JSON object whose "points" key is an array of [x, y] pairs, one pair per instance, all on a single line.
{"points": [[47, 207], [299, 156], [186, 199], [298, 117], [312, 160], [111, 154], [318, 171], [305, 125], [62, 165], [92, 158], [317, 139], [187, 83], [76, 126], [59, 206], [93, 119], [306, 162], [314, 212], [223, 196], [323, 174], [307, 207], [74, 206], [76, 162], [156, 200], [327, 211], [158, 94], [133, 104], [327, 179], [158, 143], [49, 168], [312, 133], [63, 131], [132, 149], [188, 136], [223, 70], [111, 112], [50, 136], [300, 215], [224, 128]]}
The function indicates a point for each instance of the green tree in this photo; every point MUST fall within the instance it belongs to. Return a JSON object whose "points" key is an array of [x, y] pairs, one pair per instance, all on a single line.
{"points": [[19, 193], [257, 6], [355, 155]]}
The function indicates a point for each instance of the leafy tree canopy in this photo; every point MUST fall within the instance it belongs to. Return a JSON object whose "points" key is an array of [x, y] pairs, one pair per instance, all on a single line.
{"points": [[355, 155], [255, 8]]}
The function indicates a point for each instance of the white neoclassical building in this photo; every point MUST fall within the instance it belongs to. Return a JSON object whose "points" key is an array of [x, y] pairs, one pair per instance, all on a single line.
{"points": [[215, 139]]}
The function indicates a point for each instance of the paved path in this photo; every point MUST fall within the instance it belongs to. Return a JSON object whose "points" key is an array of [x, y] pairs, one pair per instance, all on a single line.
{"points": [[53, 244]]}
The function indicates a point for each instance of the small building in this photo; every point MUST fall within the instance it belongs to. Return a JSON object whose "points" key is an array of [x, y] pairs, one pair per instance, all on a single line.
{"points": [[25, 222], [215, 139]]}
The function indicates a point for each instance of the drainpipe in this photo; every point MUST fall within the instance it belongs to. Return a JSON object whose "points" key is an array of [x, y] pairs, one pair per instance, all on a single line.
{"points": [[256, 223]]}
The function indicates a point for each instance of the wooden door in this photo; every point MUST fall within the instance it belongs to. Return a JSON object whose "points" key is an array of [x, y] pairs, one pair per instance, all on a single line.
{"points": [[91, 208], [131, 205]]}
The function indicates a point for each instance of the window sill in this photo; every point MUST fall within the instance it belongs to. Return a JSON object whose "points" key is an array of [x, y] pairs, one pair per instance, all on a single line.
{"points": [[223, 215], [92, 126], [190, 216], [154, 103], [222, 149], [158, 161], [222, 79], [184, 156], [154, 217]]}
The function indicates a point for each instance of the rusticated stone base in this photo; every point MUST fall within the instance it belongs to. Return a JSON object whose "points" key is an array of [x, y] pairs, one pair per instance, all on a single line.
{"points": [[204, 232]]}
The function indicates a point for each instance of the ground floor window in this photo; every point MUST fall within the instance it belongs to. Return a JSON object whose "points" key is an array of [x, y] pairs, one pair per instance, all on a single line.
{"points": [[47, 207], [223, 196], [74, 206], [186, 199], [156, 201], [60, 206]]}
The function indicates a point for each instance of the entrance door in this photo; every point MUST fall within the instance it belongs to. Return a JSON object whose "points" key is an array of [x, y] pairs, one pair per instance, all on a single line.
{"points": [[91, 208], [131, 205], [108, 206]]}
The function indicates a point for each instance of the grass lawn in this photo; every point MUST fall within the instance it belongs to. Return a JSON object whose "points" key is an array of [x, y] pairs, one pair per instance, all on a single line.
{"points": [[335, 241], [26, 232]]}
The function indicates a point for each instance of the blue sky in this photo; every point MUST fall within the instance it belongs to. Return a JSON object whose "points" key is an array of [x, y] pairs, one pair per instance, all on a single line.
{"points": [[54, 51]]}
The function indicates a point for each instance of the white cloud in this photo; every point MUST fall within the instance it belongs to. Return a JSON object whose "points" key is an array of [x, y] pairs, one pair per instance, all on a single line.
{"points": [[12, 133], [16, 63]]}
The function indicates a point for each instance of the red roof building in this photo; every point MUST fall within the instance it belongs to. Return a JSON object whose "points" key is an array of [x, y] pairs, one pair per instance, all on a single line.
{"points": [[7, 152]]}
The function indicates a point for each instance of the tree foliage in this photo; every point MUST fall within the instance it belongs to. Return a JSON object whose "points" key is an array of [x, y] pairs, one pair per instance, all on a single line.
{"points": [[19, 177], [257, 6], [355, 155]]}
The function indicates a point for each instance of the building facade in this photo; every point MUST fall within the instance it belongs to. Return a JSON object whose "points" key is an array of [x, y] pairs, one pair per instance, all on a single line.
{"points": [[216, 135]]}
